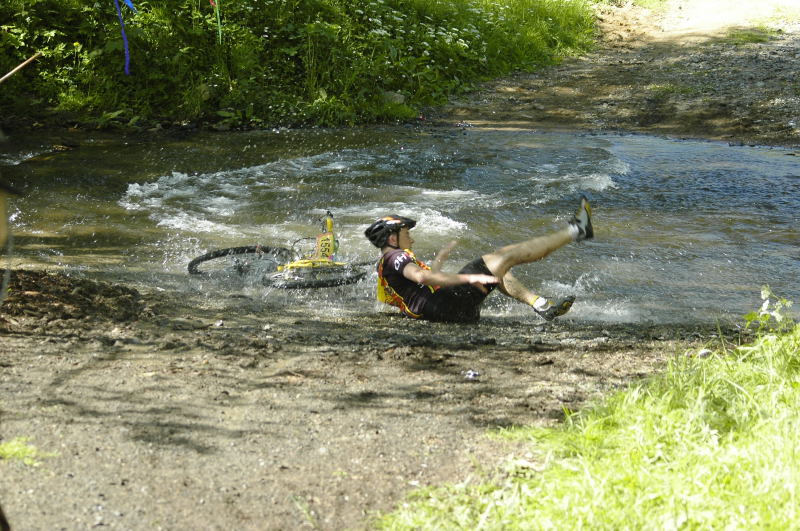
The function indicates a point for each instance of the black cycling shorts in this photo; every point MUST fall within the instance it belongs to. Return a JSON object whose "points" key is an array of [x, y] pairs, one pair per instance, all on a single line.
{"points": [[459, 304]]}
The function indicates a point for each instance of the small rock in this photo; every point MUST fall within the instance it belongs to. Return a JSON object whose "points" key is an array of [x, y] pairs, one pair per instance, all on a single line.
{"points": [[394, 97]]}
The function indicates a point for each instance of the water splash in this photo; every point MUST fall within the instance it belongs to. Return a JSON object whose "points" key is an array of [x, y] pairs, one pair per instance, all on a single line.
{"points": [[685, 230]]}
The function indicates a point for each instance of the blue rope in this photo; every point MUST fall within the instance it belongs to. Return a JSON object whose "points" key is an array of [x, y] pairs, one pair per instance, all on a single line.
{"points": [[129, 3]]}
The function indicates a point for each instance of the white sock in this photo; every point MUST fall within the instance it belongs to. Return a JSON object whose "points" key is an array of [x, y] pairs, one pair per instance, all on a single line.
{"points": [[574, 231], [540, 304]]}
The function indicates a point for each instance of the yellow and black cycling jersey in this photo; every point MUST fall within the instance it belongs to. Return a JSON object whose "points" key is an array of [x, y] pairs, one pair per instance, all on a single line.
{"points": [[395, 289]]}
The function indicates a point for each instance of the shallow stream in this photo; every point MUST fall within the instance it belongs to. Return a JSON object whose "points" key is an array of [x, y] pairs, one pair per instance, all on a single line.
{"points": [[685, 230]]}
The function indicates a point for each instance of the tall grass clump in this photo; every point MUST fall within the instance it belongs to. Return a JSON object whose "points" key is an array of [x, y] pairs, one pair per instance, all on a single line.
{"points": [[278, 62], [709, 444]]}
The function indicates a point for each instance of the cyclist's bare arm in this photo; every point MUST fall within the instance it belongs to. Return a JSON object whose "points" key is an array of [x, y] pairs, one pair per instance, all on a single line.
{"points": [[427, 277], [442, 255]]}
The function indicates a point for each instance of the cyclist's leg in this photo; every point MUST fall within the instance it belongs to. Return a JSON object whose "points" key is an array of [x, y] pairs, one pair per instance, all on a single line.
{"points": [[502, 260], [548, 309], [579, 228], [515, 289]]}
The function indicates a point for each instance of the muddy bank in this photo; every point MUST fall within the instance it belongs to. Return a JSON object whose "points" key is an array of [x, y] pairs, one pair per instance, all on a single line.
{"points": [[167, 413], [658, 73]]}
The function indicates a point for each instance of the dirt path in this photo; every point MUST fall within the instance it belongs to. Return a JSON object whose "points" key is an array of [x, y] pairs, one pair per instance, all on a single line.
{"points": [[688, 72], [167, 413], [164, 412]]}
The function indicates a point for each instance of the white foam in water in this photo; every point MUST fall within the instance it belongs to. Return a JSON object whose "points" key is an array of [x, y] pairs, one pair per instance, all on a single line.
{"points": [[283, 234], [186, 222], [460, 195], [596, 182], [573, 183], [606, 311], [452, 199], [337, 166], [172, 199], [12, 160], [455, 200], [591, 302], [587, 305], [177, 200], [488, 188], [133, 198], [373, 211], [221, 206], [152, 195], [429, 220], [434, 222], [323, 164]]}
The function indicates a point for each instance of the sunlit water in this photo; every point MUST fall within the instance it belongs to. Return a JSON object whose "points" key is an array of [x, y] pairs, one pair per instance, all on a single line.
{"points": [[685, 230]]}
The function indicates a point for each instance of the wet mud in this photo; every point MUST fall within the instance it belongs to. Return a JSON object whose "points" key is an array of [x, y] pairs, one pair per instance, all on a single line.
{"points": [[160, 412]]}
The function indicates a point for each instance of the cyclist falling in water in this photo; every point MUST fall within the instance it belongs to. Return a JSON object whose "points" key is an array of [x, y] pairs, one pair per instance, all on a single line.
{"points": [[424, 292]]}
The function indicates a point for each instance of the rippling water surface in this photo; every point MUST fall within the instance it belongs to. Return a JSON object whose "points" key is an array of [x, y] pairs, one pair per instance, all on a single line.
{"points": [[685, 230]]}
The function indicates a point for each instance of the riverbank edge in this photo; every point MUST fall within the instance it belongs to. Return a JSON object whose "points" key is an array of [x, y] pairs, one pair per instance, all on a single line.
{"points": [[614, 88]]}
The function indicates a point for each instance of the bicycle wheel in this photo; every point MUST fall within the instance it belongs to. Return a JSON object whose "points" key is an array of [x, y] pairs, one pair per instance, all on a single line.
{"points": [[315, 278], [242, 260]]}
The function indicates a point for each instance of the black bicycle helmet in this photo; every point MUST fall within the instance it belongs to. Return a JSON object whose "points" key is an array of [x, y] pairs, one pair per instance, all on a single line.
{"points": [[378, 233]]}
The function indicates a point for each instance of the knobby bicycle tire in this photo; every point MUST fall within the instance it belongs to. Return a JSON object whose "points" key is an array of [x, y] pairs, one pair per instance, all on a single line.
{"points": [[281, 255], [348, 276]]}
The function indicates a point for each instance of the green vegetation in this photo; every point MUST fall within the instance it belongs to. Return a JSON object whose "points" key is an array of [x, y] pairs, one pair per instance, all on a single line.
{"points": [[756, 35], [781, 13], [662, 92], [709, 444], [275, 62], [18, 449], [657, 5]]}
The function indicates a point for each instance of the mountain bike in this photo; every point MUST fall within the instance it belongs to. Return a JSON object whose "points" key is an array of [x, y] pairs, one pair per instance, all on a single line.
{"points": [[285, 268]]}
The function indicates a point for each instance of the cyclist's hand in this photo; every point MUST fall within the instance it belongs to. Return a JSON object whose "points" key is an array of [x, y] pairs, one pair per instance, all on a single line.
{"points": [[480, 281], [442, 255]]}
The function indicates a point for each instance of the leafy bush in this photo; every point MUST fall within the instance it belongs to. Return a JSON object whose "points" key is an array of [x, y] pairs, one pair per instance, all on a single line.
{"points": [[279, 61]]}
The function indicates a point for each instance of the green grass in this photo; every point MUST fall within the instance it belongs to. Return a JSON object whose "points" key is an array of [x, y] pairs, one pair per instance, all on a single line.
{"points": [[664, 91], [659, 5], [782, 13], [19, 450], [709, 444], [756, 35]]}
